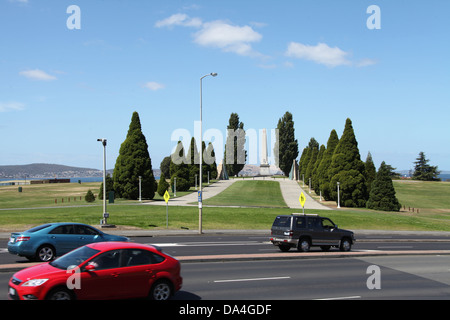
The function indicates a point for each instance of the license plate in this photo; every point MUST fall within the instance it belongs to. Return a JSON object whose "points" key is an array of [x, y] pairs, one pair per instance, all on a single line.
{"points": [[11, 240], [12, 291]]}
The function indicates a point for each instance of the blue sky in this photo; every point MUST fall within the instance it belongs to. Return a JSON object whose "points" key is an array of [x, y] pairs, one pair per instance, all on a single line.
{"points": [[62, 88]]}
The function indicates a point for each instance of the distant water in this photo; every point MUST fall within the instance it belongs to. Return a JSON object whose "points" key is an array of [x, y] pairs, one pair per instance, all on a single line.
{"points": [[72, 180]]}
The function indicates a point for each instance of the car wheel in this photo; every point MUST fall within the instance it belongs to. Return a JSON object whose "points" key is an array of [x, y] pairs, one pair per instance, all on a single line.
{"points": [[60, 294], [45, 253], [346, 245], [161, 290], [303, 245]]}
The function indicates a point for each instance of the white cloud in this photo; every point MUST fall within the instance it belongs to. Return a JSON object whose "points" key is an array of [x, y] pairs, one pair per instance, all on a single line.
{"points": [[179, 19], [321, 53], [217, 34], [366, 62], [37, 74], [154, 86], [11, 106], [227, 37]]}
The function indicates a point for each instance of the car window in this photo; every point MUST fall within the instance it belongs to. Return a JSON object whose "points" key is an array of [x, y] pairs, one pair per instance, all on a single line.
{"points": [[281, 221], [65, 229], [38, 228], [327, 223], [314, 223], [86, 230], [137, 257], [300, 223], [107, 260]]}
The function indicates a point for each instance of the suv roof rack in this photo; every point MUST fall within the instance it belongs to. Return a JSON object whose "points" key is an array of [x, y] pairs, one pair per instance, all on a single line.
{"points": [[304, 214]]}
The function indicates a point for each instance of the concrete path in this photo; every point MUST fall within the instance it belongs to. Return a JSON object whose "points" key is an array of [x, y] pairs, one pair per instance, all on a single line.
{"points": [[290, 190]]}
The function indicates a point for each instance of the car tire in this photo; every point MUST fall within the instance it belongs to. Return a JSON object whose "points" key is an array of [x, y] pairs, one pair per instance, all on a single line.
{"points": [[303, 245], [60, 293], [45, 253], [346, 245], [161, 290]]}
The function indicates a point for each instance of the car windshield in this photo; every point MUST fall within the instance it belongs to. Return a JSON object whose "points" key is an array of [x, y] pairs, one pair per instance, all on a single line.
{"points": [[38, 228], [74, 258]]}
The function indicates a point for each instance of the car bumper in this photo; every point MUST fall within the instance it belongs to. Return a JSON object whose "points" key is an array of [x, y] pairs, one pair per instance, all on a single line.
{"points": [[283, 241]]}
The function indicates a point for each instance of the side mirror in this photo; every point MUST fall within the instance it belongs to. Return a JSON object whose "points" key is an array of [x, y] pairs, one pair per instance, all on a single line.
{"points": [[89, 268]]}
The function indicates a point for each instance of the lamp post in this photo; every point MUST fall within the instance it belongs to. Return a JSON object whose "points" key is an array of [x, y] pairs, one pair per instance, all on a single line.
{"points": [[339, 197], [200, 218], [105, 214]]}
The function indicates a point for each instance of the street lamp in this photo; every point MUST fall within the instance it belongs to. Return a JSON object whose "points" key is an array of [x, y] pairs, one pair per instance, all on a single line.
{"points": [[213, 74], [339, 198], [105, 214]]}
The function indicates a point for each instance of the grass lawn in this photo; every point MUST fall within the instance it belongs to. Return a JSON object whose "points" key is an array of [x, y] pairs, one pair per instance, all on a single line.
{"points": [[431, 197], [257, 193]]}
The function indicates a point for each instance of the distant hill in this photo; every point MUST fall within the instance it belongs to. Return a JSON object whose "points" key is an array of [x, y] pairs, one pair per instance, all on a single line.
{"points": [[45, 170]]}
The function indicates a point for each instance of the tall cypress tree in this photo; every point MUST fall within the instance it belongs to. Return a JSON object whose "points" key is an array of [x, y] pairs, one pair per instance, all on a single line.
{"points": [[286, 145], [382, 194], [134, 161], [348, 169], [235, 154], [370, 172], [324, 179]]}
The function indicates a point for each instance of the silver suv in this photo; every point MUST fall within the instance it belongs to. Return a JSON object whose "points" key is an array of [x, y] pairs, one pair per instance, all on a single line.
{"points": [[302, 231]]}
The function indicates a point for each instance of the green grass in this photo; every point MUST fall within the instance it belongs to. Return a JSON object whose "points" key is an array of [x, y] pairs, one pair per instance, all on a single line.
{"points": [[250, 193], [431, 197]]}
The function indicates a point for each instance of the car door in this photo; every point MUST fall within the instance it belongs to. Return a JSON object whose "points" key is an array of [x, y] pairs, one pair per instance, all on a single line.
{"points": [[330, 233], [63, 237], [140, 268], [86, 235], [103, 281]]}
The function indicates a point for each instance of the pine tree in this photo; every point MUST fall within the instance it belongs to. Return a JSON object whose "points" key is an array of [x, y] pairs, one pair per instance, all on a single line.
{"points": [[423, 171], [286, 146], [324, 179], [370, 172], [315, 173], [89, 197], [163, 186], [179, 168], [235, 154], [134, 161], [348, 169], [382, 195]]}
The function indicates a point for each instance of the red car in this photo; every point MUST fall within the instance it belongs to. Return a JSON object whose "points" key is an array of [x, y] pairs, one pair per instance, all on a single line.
{"points": [[103, 270]]}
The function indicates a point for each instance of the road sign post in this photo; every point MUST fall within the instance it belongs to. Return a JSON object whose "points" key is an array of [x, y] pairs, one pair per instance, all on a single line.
{"points": [[166, 198]]}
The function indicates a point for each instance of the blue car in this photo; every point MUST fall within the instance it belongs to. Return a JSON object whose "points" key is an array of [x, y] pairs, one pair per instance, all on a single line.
{"points": [[45, 242]]}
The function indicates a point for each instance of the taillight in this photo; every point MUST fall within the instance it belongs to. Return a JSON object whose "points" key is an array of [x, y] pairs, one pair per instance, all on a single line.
{"points": [[21, 238]]}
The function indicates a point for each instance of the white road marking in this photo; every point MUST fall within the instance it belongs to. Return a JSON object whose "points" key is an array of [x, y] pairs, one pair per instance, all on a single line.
{"points": [[251, 279], [341, 298]]}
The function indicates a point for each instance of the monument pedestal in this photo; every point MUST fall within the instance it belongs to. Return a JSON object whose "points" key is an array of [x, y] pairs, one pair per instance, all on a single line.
{"points": [[264, 170]]}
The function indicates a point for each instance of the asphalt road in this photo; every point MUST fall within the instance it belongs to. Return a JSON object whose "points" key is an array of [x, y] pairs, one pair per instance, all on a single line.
{"points": [[400, 277]]}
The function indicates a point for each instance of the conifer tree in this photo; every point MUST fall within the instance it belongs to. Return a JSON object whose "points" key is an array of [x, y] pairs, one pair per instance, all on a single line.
{"points": [[423, 171], [163, 186], [324, 179], [382, 194], [134, 161], [179, 168], [286, 144], [235, 154], [348, 169], [370, 172]]}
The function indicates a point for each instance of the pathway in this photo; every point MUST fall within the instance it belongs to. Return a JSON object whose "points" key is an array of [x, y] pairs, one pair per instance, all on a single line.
{"points": [[290, 190]]}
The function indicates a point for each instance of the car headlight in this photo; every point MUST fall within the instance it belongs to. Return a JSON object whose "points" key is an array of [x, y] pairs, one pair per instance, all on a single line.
{"points": [[34, 283]]}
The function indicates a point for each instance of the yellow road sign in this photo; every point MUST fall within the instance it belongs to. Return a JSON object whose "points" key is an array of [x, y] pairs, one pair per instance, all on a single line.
{"points": [[302, 199], [166, 197]]}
